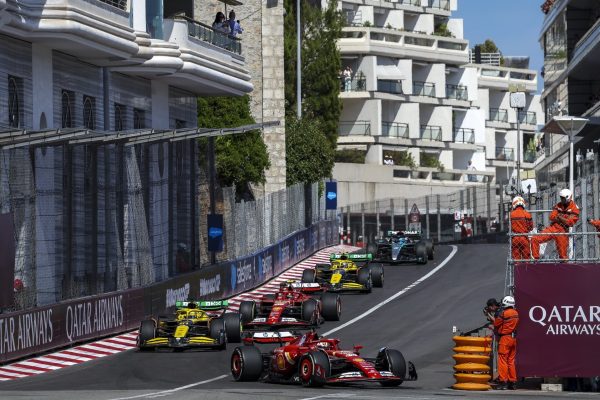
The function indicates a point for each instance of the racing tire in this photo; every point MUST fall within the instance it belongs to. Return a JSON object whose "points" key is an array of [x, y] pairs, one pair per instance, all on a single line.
{"points": [[393, 361], [246, 364], [247, 311], [430, 249], [310, 311], [421, 253], [372, 248], [308, 276], [233, 327], [314, 369], [331, 306], [377, 275], [364, 278], [147, 332]]}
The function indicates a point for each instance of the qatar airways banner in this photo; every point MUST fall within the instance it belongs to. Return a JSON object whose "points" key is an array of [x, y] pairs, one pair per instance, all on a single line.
{"points": [[559, 319]]}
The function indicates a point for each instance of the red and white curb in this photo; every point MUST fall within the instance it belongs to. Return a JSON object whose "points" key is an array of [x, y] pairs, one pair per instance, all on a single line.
{"points": [[68, 357], [127, 341]]}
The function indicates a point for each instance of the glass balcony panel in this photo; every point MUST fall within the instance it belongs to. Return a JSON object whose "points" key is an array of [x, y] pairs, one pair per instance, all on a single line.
{"points": [[424, 89], [389, 86], [356, 84], [464, 135], [499, 114], [394, 130], [429, 132], [354, 128], [458, 92], [528, 118], [505, 154]]}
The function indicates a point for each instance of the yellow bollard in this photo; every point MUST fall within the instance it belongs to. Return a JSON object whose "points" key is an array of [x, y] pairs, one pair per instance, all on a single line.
{"points": [[472, 358]]}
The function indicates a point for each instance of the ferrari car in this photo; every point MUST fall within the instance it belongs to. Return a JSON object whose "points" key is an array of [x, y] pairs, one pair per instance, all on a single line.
{"points": [[346, 273], [404, 246], [195, 324], [291, 306], [315, 361]]}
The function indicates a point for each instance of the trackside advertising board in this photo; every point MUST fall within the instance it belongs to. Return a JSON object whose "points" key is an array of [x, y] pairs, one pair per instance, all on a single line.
{"points": [[559, 320]]}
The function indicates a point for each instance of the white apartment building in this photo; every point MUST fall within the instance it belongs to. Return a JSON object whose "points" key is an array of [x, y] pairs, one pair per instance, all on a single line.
{"points": [[413, 91], [110, 65]]}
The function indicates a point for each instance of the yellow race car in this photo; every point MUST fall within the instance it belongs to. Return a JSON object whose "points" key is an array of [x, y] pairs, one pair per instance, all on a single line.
{"points": [[195, 324], [346, 272]]}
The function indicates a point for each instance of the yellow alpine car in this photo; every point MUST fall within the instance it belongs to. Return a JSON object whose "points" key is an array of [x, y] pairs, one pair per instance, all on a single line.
{"points": [[346, 272], [195, 324]]}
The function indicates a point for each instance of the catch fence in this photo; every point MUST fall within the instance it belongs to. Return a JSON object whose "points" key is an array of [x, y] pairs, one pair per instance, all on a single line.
{"points": [[111, 212]]}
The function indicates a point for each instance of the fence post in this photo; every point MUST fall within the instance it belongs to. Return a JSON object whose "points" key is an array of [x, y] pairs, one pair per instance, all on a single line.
{"points": [[501, 209], [596, 208], [348, 220], [427, 215], [474, 191], [439, 218], [362, 220], [584, 217], [488, 203], [377, 216], [392, 213], [405, 214]]}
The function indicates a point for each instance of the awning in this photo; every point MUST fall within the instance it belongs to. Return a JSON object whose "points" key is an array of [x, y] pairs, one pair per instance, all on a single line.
{"points": [[390, 72]]}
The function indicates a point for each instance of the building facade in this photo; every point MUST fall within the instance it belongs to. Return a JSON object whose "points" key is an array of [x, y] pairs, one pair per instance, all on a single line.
{"points": [[570, 38], [424, 119]]}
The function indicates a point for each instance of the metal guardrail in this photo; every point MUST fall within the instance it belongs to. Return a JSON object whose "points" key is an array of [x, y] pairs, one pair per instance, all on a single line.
{"points": [[499, 114], [441, 4], [354, 128], [464, 135], [430, 132], [208, 34], [528, 118], [423, 89], [353, 85], [389, 86], [458, 92], [394, 129], [505, 154]]}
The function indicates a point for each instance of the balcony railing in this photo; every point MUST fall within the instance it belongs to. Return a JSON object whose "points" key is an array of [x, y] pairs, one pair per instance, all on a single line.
{"points": [[209, 35], [530, 156], [499, 114], [354, 128], [389, 86], [505, 154], [464, 135], [529, 118], [424, 89], [410, 2], [429, 132], [120, 4], [458, 92], [441, 4], [353, 85], [394, 130]]}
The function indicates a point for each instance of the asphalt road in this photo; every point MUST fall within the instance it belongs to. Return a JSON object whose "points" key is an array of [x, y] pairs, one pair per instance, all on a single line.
{"points": [[418, 322]]}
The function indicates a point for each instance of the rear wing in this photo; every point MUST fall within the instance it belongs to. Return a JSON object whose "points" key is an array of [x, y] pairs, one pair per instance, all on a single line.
{"points": [[307, 287], [205, 305], [352, 257], [280, 337]]}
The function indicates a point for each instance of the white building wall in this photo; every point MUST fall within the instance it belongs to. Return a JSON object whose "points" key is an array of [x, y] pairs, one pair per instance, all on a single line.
{"points": [[406, 66], [42, 107], [455, 25]]}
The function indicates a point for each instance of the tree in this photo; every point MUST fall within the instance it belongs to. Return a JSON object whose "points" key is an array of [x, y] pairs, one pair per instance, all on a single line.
{"points": [[488, 47], [321, 64], [241, 159], [309, 155]]}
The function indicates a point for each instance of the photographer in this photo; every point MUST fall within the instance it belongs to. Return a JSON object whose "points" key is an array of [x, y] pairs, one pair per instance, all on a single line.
{"points": [[491, 310]]}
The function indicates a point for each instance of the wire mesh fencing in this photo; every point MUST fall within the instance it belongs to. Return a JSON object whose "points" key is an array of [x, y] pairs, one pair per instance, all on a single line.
{"points": [[441, 217], [95, 218]]}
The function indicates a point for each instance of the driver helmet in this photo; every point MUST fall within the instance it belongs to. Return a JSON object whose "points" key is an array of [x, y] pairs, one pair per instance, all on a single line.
{"points": [[345, 264], [344, 256], [191, 304]]}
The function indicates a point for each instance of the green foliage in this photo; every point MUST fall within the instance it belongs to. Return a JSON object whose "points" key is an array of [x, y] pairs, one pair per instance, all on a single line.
{"points": [[488, 46], [367, 24], [241, 159], [321, 64], [531, 145], [442, 30], [403, 158], [431, 161], [309, 156], [353, 156], [388, 26]]}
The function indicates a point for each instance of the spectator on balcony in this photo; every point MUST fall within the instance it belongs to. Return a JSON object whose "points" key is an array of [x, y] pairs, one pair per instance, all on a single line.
{"points": [[348, 79], [471, 167], [220, 25], [234, 25]]}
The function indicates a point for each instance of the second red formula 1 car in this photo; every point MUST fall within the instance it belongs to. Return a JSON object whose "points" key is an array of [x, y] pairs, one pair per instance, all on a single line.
{"points": [[292, 306], [315, 361]]}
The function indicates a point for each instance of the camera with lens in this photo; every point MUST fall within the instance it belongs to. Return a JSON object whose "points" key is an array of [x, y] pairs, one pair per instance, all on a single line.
{"points": [[492, 309]]}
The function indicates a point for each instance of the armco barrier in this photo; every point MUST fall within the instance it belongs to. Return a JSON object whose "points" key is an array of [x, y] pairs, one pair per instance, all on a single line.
{"points": [[41, 329]]}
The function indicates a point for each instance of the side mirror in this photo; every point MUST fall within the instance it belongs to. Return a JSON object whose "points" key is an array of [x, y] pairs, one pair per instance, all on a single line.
{"points": [[357, 348]]}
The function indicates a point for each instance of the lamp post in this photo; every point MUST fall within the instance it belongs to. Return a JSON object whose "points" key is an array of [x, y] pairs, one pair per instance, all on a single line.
{"points": [[571, 126], [298, 62], [518, 101]]}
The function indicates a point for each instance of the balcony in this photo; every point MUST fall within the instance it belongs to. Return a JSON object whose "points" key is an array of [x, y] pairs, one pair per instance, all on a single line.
{"points": [[354, 128], [430, 132], [394, 130], [458, 92], [353, 85], [499, 115], [464, 135], [529, 156], [505, 154], [416, 3], [441, 5], [528, 118], [209, 35], [389, 86], [426, 89]]}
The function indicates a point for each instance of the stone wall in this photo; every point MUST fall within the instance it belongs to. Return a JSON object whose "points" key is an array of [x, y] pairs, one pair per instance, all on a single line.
{"points": [[262, 47]]}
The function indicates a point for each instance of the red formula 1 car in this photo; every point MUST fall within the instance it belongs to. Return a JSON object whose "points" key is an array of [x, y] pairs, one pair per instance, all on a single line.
{"points": [[315, 361], [292, 306]]}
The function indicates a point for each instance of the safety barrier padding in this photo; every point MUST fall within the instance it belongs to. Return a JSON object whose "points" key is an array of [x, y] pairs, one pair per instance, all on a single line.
{"points": [[472, 358]]}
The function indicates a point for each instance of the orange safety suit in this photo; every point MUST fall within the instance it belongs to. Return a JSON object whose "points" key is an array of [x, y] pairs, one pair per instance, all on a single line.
{"points": [[570, 213], [520, 222], [596, 224], [506, 325]]}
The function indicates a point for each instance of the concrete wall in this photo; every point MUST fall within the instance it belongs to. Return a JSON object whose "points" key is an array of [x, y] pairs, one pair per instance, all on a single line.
{"points": [[455, 25]]}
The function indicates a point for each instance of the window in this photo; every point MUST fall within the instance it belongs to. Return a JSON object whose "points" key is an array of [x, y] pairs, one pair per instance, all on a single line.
{"points": [[67, 109], [139, 119], [119, 117], [89, 112], [179, 124], [15, 98]]}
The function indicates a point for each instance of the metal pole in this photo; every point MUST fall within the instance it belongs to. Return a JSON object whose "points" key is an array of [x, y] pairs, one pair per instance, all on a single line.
{"points": [[518, 152], [405, 214], [362, 220], [299, 63], [571, 161], [392, 213], [427, 215], [377, 217], [212, 172], [439, 218], [474, 191]]}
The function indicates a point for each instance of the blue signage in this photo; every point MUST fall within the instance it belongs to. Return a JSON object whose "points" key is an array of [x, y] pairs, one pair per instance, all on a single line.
{"points": [[214, 222], [214, 232], [331, 195]]}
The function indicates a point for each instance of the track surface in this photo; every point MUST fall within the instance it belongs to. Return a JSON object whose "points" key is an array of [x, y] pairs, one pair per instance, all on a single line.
{"points": [[418, 323]]}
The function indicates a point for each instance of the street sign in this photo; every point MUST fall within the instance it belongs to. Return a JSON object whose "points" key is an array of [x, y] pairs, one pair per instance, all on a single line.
{"points": [[415, 215], [457, 215]]}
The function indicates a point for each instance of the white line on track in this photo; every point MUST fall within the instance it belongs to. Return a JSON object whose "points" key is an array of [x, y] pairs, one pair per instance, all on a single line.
{"points": [[171, 391], [332, 395], [395, 296]]}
